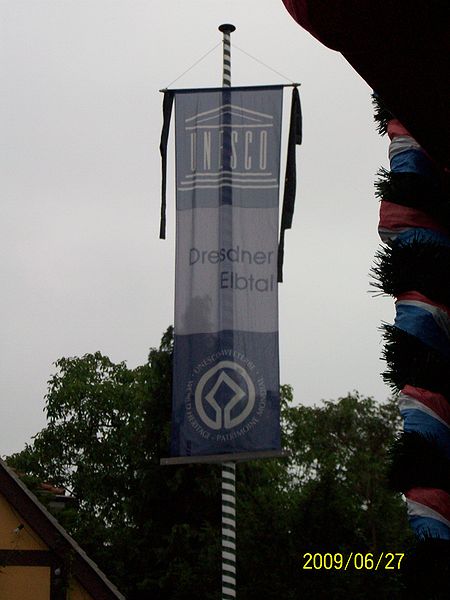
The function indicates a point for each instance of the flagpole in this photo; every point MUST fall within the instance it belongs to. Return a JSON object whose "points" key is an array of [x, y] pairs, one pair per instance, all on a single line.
{"points": [[228, 468]]}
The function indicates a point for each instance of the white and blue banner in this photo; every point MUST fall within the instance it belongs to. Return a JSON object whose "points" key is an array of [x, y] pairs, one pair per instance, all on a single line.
{"points": [[226, 365]]}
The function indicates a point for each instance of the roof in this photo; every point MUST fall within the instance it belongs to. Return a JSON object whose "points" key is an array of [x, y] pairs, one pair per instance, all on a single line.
{"points": [[55, 537], [401, 49]]}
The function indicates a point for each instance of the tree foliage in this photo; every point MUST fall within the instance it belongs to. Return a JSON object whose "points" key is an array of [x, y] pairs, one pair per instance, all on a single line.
{"points": [[155, 530]]}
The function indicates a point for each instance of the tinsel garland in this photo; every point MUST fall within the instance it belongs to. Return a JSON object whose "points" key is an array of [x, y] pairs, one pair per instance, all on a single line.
{"points": [[412, 362], [418, 461], [381, 114], [419, 266], [415, 191], [414, 267]]}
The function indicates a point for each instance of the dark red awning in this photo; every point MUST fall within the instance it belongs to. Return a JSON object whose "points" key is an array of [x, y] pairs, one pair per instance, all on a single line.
{"points": [[401, 49]]}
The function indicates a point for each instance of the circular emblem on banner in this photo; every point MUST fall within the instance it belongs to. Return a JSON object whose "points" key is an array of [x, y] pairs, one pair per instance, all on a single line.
{"points": [[225, 395]]}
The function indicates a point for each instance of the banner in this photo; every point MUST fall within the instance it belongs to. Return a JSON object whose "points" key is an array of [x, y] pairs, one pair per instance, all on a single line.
{"points": [[226, 366]]}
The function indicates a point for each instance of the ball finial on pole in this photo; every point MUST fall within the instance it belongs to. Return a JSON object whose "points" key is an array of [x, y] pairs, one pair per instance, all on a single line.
{"points": [[227, 28]]}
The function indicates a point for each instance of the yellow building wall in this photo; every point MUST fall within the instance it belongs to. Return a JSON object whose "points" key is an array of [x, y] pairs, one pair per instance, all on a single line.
{"points": [[25, 539], [27, 583], [24, 583], [77, 592]]}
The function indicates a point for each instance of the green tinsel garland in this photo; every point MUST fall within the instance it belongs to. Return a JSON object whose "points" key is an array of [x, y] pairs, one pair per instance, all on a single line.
{"points": [[413, 266], [417, 461], [429, 195], [412, 362], [381, 114]]}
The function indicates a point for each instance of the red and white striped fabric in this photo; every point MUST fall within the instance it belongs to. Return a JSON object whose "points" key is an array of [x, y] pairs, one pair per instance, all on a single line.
{"points": [[395, 218]]}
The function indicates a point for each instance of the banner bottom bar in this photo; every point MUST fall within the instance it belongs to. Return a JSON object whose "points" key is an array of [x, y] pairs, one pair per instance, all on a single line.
{"points": [[221, 458]]}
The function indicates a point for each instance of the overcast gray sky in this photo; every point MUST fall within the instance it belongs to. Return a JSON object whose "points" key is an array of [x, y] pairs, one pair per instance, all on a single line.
{"points": [[82, 268]]}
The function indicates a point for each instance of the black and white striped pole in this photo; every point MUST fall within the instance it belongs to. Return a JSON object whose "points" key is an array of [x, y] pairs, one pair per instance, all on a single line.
{"points": [[228, 531], [228, 468], [227, 29]]}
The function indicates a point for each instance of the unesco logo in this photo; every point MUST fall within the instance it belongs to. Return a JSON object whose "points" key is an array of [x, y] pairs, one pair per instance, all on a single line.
{"points": [[225, 396]]}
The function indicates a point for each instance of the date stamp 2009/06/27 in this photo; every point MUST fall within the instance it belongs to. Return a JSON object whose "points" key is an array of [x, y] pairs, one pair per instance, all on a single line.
{"points": [[354, 560]]}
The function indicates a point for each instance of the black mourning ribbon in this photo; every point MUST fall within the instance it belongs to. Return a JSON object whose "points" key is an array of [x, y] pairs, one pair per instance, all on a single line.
{"points": [[167, 113], [290, 181]]}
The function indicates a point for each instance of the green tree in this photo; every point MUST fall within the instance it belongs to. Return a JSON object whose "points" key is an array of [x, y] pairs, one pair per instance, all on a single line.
{"points": [[156, 530], [151, 529], [339, 452]]}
